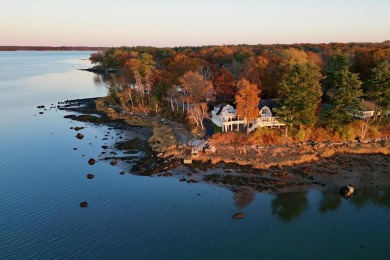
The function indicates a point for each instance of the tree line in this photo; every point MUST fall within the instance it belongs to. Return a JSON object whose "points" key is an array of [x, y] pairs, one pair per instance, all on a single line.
{"points": [[300, 76]]}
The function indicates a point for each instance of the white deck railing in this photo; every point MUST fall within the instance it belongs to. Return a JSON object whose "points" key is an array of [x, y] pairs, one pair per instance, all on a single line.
{"points": [[264, 122]]}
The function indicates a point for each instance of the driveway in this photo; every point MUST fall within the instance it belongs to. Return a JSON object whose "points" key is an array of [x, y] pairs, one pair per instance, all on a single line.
{"points": [[209, 128]]}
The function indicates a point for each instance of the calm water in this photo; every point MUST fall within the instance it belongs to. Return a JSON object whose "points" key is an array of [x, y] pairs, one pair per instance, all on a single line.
{"points": [[42, 182]]}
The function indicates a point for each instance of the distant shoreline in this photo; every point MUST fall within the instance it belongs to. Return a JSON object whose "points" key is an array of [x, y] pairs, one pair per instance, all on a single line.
{"points": [[51, 48]]}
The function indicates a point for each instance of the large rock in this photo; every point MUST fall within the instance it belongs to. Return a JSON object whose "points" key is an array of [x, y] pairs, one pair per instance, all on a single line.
{"points": [[91, 161], [83, 204], [346, 191], [90, 176], [80, 136], [114, 162]]}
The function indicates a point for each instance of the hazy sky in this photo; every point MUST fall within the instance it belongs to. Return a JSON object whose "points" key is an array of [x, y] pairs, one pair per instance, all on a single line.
{"points": [[191, 22]]}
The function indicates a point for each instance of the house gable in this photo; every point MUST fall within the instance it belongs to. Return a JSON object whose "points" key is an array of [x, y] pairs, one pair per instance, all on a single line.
{"points": [[223, 109], [265, 112]]}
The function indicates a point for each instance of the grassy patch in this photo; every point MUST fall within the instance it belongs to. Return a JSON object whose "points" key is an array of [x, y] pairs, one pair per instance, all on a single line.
{"points": [[216, 128]]}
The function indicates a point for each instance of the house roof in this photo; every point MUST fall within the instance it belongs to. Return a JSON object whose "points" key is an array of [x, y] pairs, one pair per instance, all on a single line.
{"points": [[271, 103], [221, 106], [368, 105]]}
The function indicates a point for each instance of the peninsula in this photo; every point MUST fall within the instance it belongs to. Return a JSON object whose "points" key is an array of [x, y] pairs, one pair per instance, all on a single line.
{"points": [[282, 109]]}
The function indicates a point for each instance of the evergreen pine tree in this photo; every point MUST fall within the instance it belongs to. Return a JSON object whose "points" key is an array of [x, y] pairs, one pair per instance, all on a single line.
{"points": [[300, 95], [379, 87], [346, 94]]}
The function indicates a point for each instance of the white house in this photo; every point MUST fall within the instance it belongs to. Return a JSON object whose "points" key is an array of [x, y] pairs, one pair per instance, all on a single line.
{"points": [[368, 110], [225, 116], [265, 119]]}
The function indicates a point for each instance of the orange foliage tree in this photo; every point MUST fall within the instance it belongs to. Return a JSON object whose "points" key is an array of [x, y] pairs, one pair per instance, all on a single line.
{"points": [[247, 100], [224, 85], [195, 87]]}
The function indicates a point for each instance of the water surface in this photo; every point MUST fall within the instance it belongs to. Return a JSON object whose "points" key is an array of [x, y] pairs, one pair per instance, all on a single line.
{"points": [[43, 180]]}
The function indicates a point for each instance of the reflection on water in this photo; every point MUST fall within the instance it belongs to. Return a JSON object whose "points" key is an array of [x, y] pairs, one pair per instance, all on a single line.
{"points": [[377, 196], [101, 79], [243, 198], [330, 201], [288, 206]]}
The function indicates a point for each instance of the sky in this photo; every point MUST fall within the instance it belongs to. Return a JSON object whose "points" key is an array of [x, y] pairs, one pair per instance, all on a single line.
{"points": [[169, 23]]}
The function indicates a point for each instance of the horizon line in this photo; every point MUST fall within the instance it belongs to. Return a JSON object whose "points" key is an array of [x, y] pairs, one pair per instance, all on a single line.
{"points": [[180, 46]]}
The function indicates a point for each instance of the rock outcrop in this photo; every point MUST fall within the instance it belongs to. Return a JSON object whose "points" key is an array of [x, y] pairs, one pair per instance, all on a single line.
{"points": [[83, 204], [91, 161], [238, 215], [346, 191]]}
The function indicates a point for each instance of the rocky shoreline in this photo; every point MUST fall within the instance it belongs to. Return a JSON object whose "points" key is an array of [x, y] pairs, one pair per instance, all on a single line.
{"points": [[329, 166]]}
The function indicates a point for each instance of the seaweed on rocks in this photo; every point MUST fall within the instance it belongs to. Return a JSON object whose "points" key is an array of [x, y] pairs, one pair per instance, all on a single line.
{"points": [[153, 164]]}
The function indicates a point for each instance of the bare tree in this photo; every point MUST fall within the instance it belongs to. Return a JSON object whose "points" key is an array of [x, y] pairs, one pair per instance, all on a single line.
{"points": [[196, 113], [171, 96], [205, 72], [365, 125]]}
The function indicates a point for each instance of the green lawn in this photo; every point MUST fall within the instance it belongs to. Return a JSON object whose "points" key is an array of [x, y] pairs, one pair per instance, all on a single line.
{"points": [[217, 129]]}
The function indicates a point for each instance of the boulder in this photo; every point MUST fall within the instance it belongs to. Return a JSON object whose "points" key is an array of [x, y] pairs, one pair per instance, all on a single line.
{"points": [[91, 161], [122, 172], [114, 162], [90, 176], [83, 204], [80, 136], [238, 215], [346, 191]]}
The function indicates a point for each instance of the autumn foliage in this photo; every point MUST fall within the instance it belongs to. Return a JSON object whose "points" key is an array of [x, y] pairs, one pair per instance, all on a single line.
{"points": [[187, 79]]}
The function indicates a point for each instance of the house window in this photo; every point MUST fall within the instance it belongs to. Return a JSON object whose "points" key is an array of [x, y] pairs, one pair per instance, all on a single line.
{"points": [[264, 111]]}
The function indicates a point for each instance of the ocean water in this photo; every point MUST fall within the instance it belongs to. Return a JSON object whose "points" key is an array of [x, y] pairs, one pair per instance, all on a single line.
{"points": [[43, 180]]}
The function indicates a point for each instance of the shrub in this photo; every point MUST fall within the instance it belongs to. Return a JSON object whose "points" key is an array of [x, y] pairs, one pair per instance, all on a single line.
{"points": [[230, 138], [347, 132], [266, 136], [335, 137], [384, 126], [319, 135], [300, 135]]}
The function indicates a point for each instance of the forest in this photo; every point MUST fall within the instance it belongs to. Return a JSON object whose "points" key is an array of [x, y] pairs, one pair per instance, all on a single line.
{"points": [[315, 85]]}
